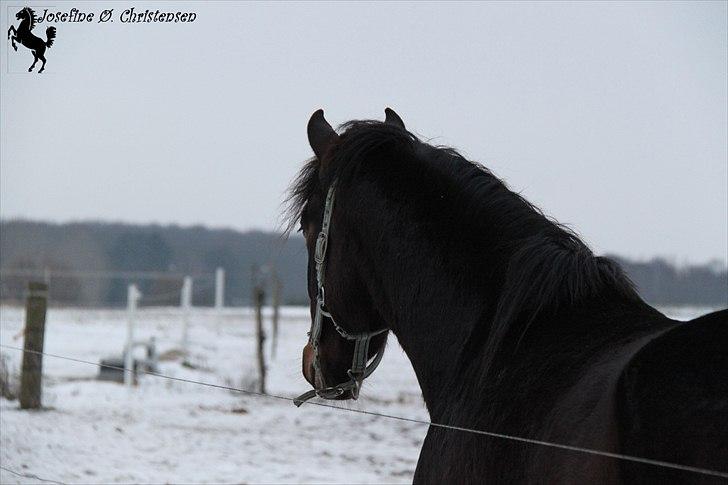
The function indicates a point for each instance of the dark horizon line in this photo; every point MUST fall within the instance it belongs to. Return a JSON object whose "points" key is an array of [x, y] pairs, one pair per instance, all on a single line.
{"points": [[674, 260]]}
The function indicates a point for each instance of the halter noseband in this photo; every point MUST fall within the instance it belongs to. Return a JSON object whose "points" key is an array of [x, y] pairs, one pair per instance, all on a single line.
{"points": [[359, 369]]}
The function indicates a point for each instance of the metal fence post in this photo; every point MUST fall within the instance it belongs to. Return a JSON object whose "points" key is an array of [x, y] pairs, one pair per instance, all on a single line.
{"points": [[219, 288], [186, 310]]}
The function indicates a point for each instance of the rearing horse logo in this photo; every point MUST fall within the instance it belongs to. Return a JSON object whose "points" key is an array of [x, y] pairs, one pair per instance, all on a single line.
{"points": [[24, 35]]}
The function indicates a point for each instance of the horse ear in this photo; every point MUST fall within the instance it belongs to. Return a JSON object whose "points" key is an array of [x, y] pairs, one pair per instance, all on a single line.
{"points": [[392, 118], [320, 134]]}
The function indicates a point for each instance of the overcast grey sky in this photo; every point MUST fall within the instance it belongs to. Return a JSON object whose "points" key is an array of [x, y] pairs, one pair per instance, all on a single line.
{"points": [[611, 117]]}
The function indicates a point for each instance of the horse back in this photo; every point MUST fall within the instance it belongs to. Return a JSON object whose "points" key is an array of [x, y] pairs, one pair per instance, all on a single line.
{"points": [[672, 403]]}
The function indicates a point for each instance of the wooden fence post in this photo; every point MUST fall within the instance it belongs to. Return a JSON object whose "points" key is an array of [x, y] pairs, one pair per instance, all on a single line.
{"points": [[32, 370], [276, 297], [258, 297]]}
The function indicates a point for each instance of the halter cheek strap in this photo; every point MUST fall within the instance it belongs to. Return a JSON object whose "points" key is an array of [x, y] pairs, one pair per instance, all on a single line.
{"points": [[359, 369]]}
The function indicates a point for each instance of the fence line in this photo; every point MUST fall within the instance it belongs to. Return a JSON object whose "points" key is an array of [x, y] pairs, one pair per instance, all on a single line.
{"points": [[164, 297], [551, 444], [136, 275], [30, 475]]}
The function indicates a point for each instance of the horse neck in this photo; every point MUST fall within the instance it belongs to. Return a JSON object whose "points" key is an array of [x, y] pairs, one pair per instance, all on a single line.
{"points": [[24, 25], [435, 302]]}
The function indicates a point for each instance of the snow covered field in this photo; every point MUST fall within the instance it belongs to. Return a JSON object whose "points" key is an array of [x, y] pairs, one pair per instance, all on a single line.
{"points": [[170, 432], [166, 431]]}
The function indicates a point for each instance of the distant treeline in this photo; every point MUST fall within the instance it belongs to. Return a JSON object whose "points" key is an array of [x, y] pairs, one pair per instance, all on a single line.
{"points": [[103, 250], [661, 283], [85, 260]]}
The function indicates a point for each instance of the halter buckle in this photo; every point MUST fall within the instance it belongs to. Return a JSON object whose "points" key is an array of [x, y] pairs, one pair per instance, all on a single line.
{"points": [[322, 242]]}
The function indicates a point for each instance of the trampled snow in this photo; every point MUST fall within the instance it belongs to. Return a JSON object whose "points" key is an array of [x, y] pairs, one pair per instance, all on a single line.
{"points": [[164, 431]]}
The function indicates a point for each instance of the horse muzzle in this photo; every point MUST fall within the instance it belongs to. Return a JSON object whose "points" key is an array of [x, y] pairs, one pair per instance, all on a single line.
{"points": [[309, 372]]}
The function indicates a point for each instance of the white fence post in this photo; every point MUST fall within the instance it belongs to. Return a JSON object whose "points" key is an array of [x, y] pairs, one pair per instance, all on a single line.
{"points": [[132, 297], [276, 303], [219, 288], [186, 302]]}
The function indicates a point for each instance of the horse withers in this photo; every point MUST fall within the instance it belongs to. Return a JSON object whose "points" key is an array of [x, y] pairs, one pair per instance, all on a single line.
{"points": [[513, 326]]}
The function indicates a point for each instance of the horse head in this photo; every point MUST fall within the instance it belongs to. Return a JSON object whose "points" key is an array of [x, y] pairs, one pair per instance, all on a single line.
{"points": [[348, 335], [26, 14]]}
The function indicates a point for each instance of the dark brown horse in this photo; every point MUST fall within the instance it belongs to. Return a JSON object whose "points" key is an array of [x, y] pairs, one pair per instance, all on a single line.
{"points": [[24, 35], [511, 323]]}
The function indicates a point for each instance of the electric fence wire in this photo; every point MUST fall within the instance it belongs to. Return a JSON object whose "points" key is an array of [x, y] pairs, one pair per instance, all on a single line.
{"points": [[550, 444], [30, 475]]}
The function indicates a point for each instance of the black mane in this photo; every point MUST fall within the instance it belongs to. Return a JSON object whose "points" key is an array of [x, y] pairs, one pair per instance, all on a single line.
{"points": [[547, 264], [31, 17]]}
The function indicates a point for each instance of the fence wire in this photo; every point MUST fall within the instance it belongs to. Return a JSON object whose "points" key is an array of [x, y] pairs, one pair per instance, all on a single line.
{"points": [[550, 444], [30, 475]]}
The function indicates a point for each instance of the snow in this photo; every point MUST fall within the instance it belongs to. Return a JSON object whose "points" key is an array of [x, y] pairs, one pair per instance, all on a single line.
{"points": [[166, 431]]}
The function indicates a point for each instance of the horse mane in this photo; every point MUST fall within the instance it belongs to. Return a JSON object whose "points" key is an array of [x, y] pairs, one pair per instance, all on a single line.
{"points": [[32, 18], [548, 265]]}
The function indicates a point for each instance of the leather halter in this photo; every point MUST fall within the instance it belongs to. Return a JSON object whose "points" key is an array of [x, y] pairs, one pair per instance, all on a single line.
{"points": [[359, 369]]}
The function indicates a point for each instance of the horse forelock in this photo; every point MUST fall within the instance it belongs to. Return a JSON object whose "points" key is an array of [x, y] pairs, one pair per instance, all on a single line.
{"points": [[299, 193]]}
